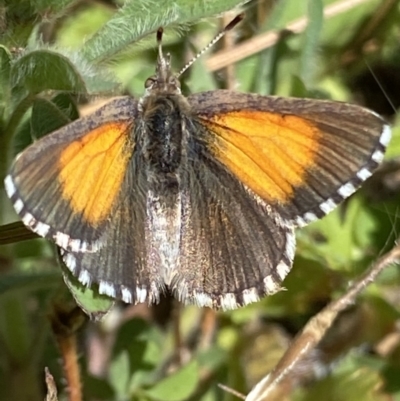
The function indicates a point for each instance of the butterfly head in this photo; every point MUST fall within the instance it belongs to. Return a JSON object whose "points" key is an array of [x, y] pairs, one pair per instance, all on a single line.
{"points": [[164, 81]]}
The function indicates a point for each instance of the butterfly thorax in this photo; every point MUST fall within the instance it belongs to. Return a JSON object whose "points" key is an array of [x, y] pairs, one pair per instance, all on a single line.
{"points": [[162, 139]]}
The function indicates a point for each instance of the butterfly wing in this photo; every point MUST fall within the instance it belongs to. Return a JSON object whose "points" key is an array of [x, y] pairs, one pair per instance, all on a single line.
{"points": [[64, 186], [231, 252], [259, 166], [121, 267], [301, 157]]}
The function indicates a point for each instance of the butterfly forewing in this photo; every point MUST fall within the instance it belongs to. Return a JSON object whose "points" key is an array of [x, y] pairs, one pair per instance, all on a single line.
{"points": [[65, 184], [300, 156]]}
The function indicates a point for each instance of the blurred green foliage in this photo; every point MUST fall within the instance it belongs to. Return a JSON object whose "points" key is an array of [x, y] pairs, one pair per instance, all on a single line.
{"points": [[55, 54]]}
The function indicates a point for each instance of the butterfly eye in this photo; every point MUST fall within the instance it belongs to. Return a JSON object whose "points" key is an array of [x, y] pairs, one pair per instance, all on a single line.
{"points": [[149, 82], [175, 82]]}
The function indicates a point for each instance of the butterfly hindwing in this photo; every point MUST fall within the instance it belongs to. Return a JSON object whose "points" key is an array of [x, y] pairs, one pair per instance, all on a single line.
{"points": [[71, 178], [232, 252]]}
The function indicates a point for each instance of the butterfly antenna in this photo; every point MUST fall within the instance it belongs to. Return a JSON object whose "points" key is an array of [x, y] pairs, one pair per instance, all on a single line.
{"points": [[160, 32], [161, 58], [228, 27], [163, 61]]}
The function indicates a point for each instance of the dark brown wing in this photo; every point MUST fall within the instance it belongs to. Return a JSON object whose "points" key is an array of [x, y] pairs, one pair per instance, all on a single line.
{"points": [[65, 185], [300, 156]]}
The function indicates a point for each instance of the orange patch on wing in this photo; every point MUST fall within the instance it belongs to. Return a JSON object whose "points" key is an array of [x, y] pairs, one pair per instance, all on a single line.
{"points": [[92, 170], [270, 153]]}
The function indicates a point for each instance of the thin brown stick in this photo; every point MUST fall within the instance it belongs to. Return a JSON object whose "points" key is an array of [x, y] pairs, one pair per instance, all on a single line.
{"points": [[228, 43], [15, 232], [260, 42], [65, 324], [268, 388], [68, 348]]}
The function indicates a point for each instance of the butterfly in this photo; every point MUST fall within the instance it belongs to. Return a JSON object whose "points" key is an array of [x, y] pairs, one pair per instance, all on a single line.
{"points": [[198, 194]]}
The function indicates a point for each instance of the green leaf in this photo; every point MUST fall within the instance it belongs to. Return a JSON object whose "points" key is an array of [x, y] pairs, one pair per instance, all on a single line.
{"points": [[308, 283], [88, 298], [298, 88], [67, 104], [99, 388], [177, 387], [5, 70], [359, 383], [200, 79], [51, 6], [148, 16], [46, 117], [135, 336], [42, 70], [265, 74], [342, 245], [16, 343], [14, 282], [119, 374], [308, 58], [22, 137], [213, 358], [142, 346], [393, 149]]}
